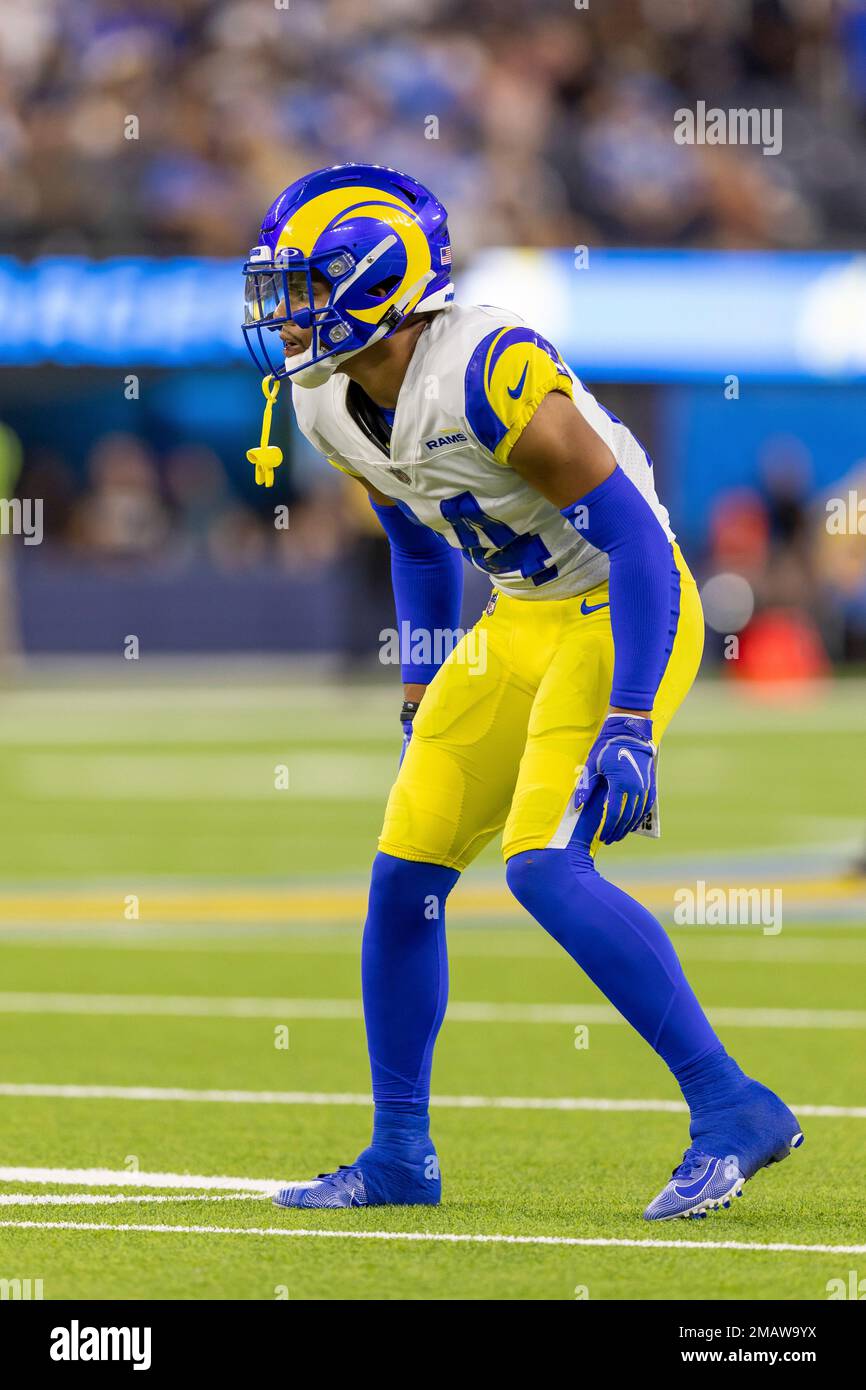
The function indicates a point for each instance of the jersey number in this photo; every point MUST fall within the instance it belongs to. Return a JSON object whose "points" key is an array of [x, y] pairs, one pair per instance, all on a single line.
{"points": [[527, 554]]}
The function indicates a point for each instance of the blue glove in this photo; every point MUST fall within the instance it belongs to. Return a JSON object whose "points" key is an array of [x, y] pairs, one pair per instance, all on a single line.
{"points": [[619, 772]]}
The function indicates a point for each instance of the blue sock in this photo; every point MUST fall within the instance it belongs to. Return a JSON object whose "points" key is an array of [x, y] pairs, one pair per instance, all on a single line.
{"points": [[710, 1081], [734, 1116], [404, 976], [620, 946]]}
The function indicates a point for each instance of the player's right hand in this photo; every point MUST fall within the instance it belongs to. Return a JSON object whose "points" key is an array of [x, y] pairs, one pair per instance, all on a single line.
{"points": [[620, 769]]}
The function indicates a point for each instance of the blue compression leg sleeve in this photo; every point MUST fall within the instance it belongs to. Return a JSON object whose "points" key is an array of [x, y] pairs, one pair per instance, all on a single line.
{"points": [[627, 953], [404, 976], [620, 946]]}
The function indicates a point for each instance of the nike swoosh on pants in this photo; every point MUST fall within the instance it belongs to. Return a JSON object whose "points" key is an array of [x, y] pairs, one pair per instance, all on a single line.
{"points": [[593, 607]]}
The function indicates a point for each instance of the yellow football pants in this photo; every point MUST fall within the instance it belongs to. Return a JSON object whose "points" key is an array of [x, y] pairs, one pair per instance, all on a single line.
{"points": [[509, 720]]}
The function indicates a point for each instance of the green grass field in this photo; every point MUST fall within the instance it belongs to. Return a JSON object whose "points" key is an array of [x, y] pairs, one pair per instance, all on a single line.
{"points": [[180, 1001]]}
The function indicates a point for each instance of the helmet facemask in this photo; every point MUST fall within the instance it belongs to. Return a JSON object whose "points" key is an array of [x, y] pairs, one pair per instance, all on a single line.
{"points": [[281, 290]]}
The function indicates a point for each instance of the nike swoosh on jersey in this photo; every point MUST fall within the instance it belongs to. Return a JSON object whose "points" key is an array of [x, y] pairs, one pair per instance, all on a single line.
{"points": [[516, 391], [592, 607]]}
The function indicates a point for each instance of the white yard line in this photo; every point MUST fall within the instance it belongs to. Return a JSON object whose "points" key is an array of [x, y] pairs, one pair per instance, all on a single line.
{"points": [[149, 776], [218, 1006], [178, 1006], [123, 1177], [441, 1237], [40, 1090], [284, 689], [772, 952], [465, 944], [101, 1199]]}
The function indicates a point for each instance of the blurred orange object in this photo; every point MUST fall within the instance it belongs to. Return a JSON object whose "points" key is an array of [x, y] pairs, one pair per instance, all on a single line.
{"points": [[740, 531], [781, 645]]}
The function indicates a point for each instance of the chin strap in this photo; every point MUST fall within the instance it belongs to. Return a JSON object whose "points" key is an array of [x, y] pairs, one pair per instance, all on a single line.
{"points": [[267, 456]]}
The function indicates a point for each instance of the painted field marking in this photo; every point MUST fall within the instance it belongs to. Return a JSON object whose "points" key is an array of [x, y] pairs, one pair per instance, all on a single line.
{"points": [[198, 776], [477, 943], [441, 1237], [479, 1011], [235, 903], [101, 1199], [40, 1090], [124, 1177]]}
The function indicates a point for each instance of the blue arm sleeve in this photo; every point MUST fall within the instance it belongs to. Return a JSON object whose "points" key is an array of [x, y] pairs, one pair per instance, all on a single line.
{"points": [[644, 584], [427, 574]]}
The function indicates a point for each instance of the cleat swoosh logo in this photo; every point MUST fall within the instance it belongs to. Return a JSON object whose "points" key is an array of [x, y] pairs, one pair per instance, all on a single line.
{"points": [[516, 391], [696, 1188]]}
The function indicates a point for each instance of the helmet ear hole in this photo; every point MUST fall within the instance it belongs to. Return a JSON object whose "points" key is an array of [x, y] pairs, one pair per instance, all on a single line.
{"points": [[386, 286]]}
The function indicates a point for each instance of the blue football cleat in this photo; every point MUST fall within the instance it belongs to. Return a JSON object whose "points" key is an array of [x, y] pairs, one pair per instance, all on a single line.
{"points": [[700, 1184], [373, 1180], [345, 1188], [756, 1131]]}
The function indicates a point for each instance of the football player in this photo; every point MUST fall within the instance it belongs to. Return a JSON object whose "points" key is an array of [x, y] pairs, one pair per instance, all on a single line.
{"points": [[476, 441]]}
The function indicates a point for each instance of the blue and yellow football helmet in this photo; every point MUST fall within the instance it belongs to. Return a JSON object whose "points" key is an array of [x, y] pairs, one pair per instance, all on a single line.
{"points": [[378, 238]]}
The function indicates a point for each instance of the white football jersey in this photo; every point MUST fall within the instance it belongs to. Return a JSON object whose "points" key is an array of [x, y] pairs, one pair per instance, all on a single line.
{"points": [[474, 381]]}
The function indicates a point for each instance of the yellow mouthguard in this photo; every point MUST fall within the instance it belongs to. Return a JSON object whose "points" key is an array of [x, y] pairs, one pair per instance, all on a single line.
{"points": [[267, 456]]}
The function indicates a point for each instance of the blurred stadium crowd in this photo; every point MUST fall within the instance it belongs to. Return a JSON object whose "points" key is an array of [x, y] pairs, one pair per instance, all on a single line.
{"points": [[554, 127], [139, 511], [538, 125], [133, 506]]}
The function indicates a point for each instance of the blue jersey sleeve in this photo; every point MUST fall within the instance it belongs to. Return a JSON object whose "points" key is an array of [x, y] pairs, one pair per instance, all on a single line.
{"points": [[644, 584]]}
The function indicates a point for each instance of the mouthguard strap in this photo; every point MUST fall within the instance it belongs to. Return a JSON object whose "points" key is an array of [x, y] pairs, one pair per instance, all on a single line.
{"points": [[267, 456]]}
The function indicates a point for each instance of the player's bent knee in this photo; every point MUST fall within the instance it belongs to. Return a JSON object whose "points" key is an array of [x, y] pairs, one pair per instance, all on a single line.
{"points": [[408, 884], [530, 875], [539, 878], [521, 872]]}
